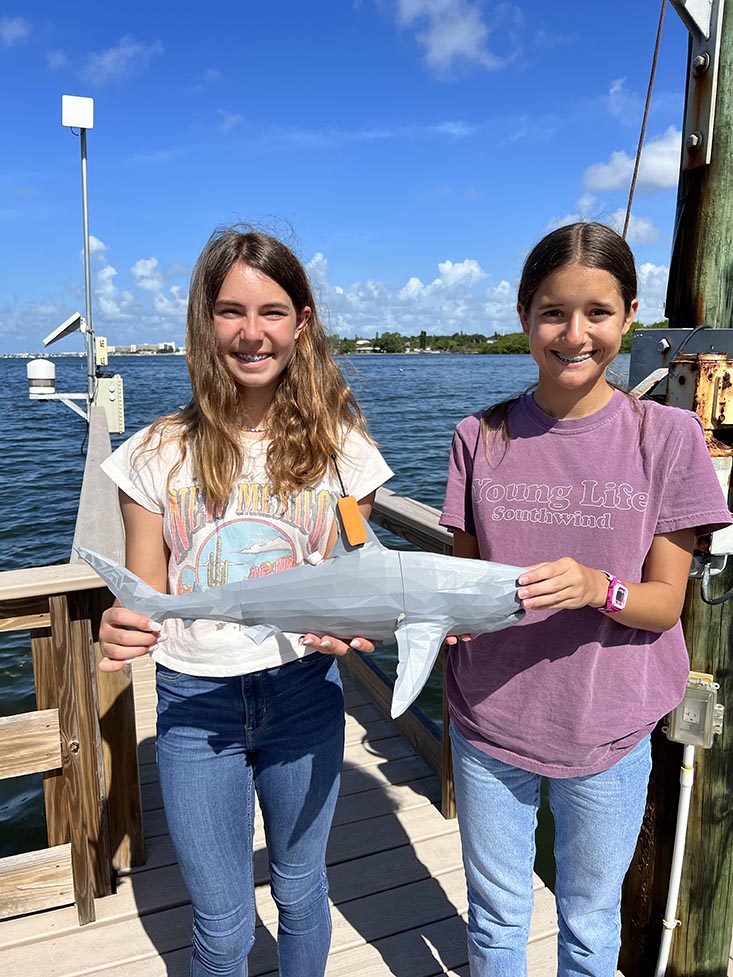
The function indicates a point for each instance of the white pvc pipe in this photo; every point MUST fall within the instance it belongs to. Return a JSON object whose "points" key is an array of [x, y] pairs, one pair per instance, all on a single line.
{"points": [[670, 921]]}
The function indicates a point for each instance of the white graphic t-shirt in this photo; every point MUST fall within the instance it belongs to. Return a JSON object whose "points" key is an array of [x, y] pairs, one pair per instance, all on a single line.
{"points": [[256, 533]]}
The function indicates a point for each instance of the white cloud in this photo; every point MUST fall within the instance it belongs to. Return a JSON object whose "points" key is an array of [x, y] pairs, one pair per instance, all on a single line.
{"points": [[453, 301], [455, 33], [56, 60], [110, 302], [148, 278], [660, 160], [624, 105], [462, 272], [47, 309], [276, 136], [641, 230], [545, 39], [457, 299], [658, 169], [156, 155], [229, 120], [588, 208], [12, 30], [116, 63], [459, 130], [96, 247], [652, 291], [146, 275]]}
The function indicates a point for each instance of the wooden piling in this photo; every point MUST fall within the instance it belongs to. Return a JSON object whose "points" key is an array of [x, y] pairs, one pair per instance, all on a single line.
{"points": [[700, 292]]}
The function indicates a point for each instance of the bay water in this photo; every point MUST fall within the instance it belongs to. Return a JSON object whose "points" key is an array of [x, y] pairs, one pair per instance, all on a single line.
{"points": [[411, 402]]}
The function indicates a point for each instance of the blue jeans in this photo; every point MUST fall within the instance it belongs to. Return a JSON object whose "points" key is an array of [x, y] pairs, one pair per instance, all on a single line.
{"points": [[279, 732], [597, 821]]}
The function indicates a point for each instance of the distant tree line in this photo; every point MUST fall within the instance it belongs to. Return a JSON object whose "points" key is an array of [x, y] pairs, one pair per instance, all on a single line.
{"points": [[458, 342]]}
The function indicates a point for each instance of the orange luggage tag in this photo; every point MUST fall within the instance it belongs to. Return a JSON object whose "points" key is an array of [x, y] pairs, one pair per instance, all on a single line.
{"points": [[352, 521]]}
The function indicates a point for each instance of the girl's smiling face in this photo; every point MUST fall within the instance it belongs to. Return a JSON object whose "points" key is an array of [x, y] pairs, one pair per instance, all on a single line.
{"points": [[256, 327], [575, 323]]}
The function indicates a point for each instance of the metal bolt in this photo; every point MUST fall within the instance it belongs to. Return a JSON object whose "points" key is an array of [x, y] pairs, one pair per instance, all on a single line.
{"points": [[693, 142], [73, 746], [700, 64]]}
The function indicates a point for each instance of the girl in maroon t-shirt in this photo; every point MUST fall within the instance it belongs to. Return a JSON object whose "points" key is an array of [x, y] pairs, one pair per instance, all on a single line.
{"points": [[572, 480]]}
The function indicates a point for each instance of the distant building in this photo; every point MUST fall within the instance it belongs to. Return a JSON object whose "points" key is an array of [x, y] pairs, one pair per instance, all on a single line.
{"points": [[144, 349]]}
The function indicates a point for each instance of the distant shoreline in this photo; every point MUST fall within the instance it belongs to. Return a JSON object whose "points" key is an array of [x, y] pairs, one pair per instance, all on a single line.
{"points": [[56, 356], [412, 352]]}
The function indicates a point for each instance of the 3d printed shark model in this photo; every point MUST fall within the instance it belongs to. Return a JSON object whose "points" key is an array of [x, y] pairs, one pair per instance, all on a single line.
{"points": [[418, 598]]}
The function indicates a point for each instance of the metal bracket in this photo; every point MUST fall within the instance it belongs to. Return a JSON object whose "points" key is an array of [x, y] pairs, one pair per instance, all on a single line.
{"points": [[703, 19], [705, 588]]}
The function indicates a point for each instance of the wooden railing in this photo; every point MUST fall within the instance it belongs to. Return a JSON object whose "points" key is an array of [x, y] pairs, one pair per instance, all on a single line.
{"points": [[418, 524], [81, 736]]}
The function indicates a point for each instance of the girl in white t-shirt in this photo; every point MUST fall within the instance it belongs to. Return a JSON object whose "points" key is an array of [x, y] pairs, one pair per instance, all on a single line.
{"points": [[238, 483]]}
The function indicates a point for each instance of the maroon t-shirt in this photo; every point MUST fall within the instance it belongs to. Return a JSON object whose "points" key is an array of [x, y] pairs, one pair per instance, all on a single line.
{"points": [[566, 693]]}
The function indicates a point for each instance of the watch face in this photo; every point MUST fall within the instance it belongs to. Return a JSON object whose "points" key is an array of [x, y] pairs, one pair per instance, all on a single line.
{"points": [[618, 596]]}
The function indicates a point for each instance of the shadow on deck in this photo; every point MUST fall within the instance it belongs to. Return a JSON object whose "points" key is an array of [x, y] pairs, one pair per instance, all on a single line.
{"points": [[397, 886]]}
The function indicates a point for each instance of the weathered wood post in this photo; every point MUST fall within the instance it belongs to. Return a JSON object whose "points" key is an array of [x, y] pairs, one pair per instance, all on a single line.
{"points": [[99, 527], [700, 292]]}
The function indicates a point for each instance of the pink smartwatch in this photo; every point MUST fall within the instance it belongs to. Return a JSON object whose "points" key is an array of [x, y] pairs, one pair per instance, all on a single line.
{"points": [[617, 594]]}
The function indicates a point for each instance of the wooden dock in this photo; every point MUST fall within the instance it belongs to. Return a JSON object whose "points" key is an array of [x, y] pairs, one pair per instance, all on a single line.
{"points": [[397, 885]]}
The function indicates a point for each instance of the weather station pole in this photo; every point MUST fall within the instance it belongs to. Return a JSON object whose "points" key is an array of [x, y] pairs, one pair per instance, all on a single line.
{"points": [[91, 362], [78, 113], [104, 390]]}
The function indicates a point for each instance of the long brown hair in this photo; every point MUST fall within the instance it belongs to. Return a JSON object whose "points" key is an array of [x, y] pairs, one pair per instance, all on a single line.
{"points": [[313, 409], [584, 243]]}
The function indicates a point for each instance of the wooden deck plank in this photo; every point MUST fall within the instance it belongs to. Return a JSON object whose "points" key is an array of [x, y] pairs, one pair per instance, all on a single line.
{"points": [[396, 881], [163, 887], [395, 921]]}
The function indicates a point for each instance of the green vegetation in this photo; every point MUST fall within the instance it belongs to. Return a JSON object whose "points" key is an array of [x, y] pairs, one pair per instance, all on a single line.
{"points": [[459, 342], [626, 341]]}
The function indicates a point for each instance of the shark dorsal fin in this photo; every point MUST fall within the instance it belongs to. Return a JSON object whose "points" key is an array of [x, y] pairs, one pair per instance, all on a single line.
{"points": [[342, 546]]}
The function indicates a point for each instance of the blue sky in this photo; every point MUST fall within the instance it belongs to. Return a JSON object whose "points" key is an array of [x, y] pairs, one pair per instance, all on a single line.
{"points": [[410, 150]]}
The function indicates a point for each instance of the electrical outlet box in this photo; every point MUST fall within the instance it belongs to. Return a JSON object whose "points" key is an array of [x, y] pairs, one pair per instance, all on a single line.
{"points": [[110, 397], [100, 350], [698, 717]]}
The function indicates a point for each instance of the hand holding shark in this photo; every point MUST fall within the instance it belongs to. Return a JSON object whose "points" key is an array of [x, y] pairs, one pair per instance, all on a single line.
{"points": [[418, 598]]}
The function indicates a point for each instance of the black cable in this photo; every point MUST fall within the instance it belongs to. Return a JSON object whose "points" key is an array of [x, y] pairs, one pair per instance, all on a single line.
{"points": [[688, 337], [338, 473], [704, 593]]}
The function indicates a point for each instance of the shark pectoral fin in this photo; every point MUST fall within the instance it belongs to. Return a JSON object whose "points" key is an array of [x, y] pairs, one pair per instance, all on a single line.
{"points": [[258, 632], [418, 645]]}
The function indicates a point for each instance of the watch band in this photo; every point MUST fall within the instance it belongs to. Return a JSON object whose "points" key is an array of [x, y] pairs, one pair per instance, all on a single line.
{"points": [[616, 595]]}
